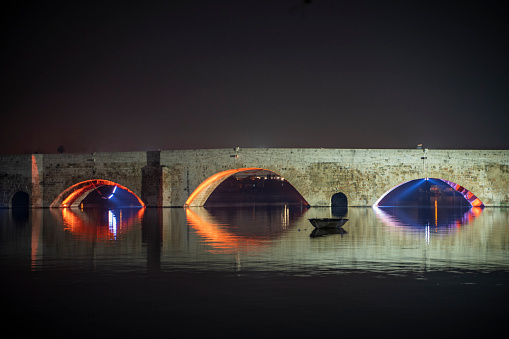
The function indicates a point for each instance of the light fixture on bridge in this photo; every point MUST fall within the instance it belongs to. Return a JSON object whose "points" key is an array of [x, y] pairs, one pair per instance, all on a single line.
{"points": [[236, 149]]}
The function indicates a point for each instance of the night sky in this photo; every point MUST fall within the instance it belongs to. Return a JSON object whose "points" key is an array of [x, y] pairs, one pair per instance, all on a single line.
{"points": [[135, 76]]}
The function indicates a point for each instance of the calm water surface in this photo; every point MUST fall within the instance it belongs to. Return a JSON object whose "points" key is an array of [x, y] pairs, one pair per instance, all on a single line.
{"points": [[256, 271]]}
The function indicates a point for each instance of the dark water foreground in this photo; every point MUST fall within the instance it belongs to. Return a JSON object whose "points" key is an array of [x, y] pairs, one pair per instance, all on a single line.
{"points": [[254, 273]]}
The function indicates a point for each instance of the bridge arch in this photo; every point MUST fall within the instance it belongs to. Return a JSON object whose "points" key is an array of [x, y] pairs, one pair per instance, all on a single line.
{"points": [[200, 195], [74, 195], [339, 200], [472, 199], [20, 200]]}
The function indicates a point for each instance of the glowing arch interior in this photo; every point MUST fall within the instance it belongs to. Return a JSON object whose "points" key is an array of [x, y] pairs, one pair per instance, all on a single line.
{"points": [[203, 191], [74, 194], [469, 196], [389, 191]]}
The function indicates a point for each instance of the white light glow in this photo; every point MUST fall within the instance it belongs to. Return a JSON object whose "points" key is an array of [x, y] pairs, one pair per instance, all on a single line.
{"points": [[112, 223]]}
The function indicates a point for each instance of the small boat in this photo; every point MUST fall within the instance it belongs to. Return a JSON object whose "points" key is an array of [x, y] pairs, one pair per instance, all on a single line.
{"points": [[320, 232], [328, 222]]}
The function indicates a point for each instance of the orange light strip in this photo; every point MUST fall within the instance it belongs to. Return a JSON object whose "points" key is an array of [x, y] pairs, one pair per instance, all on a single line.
{"points": [[436, 213], [471, 198], [209, 181], [74, 195]]}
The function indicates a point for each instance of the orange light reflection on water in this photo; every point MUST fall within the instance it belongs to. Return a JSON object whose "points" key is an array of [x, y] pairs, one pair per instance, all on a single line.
{"points": [[101, 225], [222, 240]]}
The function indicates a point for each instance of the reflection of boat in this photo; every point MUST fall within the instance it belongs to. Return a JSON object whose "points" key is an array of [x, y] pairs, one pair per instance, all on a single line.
{"points": [[328, 222], [320, 232]]}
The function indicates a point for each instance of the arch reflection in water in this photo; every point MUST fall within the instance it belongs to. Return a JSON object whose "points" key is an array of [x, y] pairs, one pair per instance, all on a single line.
{"points": [[250, 240], [445, 219], [102, 225], [243, 229]]}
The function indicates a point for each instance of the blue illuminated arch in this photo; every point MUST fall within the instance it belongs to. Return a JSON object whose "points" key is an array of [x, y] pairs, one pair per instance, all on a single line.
{"points": [[469, 196]]}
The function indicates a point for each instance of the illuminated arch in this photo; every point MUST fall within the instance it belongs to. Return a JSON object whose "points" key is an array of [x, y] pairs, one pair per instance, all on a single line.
{"points": [[469, 196], [73, 195], [389, 191], [200, 195]]}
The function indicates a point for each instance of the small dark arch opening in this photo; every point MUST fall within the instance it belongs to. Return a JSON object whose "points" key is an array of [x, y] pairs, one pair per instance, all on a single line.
{"points": [[339, 204], [20, 200], [339, 200]]}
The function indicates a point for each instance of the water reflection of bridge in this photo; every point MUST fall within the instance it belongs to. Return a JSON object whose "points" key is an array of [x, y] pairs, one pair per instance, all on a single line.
{"points": [[166, 239]]}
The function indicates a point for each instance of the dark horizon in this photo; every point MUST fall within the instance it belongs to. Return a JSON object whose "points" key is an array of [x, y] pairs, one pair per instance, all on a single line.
{"points": [[254, 74]]}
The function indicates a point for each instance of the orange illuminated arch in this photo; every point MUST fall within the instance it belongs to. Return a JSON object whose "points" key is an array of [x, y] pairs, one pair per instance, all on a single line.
{"points": [[203, 191], [73, 195]]}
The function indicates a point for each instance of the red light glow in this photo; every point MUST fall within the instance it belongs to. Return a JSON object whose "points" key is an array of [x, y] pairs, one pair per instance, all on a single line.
{"points": [[471, 198]]}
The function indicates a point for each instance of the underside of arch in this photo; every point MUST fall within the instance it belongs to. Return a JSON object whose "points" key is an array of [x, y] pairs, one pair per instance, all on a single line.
{"points": [[200, 195], [469, 196], [73, 195]]}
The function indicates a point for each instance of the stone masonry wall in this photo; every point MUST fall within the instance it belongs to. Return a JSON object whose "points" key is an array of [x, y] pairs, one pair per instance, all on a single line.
{"points": [[15, 176], [168, 177], [62, 171], [363, 175]]}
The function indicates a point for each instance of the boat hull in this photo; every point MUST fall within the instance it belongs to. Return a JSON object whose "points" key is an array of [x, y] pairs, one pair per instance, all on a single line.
{"points": [[321, 232], [325, 223]]}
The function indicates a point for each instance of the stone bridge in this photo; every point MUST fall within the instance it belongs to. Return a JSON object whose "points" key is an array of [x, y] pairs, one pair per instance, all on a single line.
{"points": [[177, 178]]}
